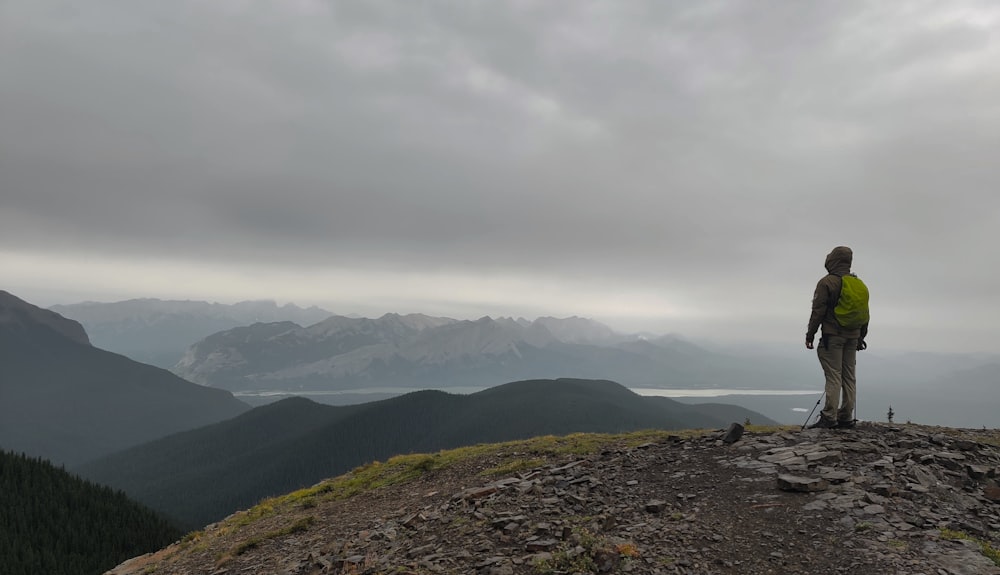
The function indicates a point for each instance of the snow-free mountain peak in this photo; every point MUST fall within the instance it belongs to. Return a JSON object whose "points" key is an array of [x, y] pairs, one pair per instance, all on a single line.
{"points": [[66, 400], [17, 315], [415, 351], [159, 331]]}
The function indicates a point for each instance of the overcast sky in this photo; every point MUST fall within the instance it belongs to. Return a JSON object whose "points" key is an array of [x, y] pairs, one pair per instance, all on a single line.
{"points": [[670, 166]]}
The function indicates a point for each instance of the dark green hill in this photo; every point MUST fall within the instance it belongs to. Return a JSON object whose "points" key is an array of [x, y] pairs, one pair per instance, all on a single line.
{"points": [[203, 475], [556, 407], [54, 523], [64, 400], [191, 476]]}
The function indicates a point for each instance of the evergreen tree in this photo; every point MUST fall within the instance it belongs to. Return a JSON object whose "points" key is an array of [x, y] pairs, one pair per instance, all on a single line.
{"points": [[58, 524]]}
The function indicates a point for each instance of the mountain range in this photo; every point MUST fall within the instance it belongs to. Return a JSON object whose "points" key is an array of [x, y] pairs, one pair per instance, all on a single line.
{"points": [[202, 475], [197, 454], [158, 332], [206, 454], [352, 360], [67, 401], [418, 351]]}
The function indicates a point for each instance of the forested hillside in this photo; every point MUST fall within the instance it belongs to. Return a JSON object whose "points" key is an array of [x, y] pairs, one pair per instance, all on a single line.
{"points": [[54, 523], [202, 475], [67, 401]]}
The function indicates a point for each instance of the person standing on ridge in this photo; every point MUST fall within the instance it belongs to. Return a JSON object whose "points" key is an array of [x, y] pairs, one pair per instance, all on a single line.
{"points": [[840, 307]]}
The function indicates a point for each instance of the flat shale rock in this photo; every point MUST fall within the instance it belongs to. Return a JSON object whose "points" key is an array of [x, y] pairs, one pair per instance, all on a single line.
{"points": [[806, 484]]}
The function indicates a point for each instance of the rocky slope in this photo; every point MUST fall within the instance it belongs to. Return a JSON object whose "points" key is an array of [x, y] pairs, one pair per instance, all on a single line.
{"points": [[203, 475], [877, 499]]}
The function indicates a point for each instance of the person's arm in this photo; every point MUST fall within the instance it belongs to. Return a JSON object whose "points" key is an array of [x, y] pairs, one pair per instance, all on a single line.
{"points": [[821, 298], [862, 345]]}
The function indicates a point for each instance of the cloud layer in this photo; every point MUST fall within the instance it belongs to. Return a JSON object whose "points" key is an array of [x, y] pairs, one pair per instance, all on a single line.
{"points": [[682, 166]]}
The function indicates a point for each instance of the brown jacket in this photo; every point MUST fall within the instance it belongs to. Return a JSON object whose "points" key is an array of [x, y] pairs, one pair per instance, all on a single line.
{"points": [[838, 263]]}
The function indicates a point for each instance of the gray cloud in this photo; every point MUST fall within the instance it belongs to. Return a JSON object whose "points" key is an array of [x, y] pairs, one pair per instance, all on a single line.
{"points": [[711, 150]]}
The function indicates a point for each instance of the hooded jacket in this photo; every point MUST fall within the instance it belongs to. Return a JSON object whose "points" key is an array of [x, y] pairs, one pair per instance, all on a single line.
{"points": [[838, 264]]}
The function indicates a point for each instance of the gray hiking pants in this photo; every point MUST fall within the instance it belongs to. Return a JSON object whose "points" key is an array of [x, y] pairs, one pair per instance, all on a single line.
{"points": [[838, 356]]}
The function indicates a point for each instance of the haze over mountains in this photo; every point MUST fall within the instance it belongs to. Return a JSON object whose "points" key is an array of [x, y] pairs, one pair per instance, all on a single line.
{"points": [[416, 351], [67, 401], [196, 453], [343, 357], [158, 332], [70, 402], [362, 359]]}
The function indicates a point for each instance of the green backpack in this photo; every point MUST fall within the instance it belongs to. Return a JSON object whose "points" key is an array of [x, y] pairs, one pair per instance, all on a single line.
{"points": [[852, 307]]}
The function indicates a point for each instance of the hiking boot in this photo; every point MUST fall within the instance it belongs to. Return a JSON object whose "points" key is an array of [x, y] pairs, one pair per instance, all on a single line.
{"points": [[846, 424], [823, 423]]}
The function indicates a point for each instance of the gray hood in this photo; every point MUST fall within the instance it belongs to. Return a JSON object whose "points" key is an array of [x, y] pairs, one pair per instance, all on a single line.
{"points": [[838, 261]]}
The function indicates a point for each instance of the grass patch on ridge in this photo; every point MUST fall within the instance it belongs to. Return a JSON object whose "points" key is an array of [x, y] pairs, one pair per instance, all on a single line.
{"points": [[512, 467], [985, 547], [522, 454], [492, 459], [298, 526]]}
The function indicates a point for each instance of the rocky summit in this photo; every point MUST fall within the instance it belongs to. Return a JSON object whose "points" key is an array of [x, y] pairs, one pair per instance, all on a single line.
{"points": [[876, 499]]}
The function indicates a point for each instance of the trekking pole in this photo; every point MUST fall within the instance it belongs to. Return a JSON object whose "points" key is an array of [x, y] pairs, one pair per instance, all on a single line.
{"points": [[813, 409]]}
